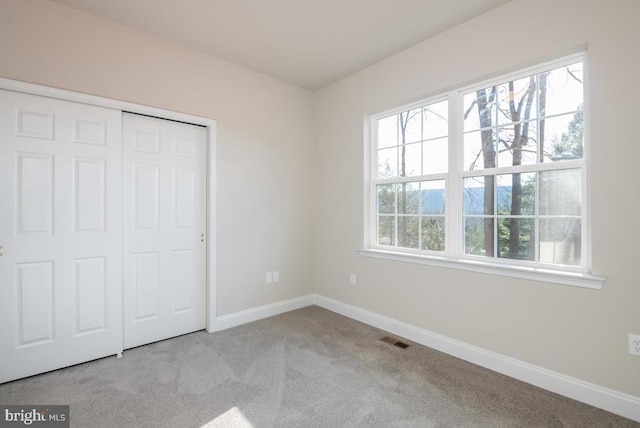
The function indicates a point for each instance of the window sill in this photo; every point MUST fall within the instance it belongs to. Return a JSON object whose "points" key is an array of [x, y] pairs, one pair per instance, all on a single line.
{"points": [[531, 273]]}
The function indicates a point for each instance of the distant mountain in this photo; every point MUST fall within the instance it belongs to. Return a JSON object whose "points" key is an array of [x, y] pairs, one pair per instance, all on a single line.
{"points": [[433, 200]]}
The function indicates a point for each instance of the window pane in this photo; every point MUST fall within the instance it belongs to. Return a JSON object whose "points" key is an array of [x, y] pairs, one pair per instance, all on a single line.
{"points": [[517, 101], [410, 160], [386, 198], [408, 232], [472, 157], [563, 137], [388, 163], [387, 230], [471, 120], [388, 132], [478, 236], [516, 238], [561, 90], [517, 144], [479, 109], [411, 126], [433, 233], [516, 194], [435, 120], [560, 241], [408, 198], [561, 192], [433, 197], [435, 156], [477, 155], [478, 195]]}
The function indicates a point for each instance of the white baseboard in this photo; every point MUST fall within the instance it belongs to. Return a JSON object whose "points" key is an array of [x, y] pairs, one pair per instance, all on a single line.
{"points": [[232, 320], [612, 401]]}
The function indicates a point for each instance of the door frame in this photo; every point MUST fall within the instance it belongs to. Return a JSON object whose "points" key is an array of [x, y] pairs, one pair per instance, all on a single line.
{"points": [[210, 124]]}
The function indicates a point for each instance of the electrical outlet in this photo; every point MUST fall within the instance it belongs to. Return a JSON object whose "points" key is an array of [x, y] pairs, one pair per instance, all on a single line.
{"points": [[269, 277], [276, 275], [634, 344], [353, 279]]}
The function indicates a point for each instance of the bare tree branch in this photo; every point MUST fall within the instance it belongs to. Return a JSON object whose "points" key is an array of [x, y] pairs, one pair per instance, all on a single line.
{"points": [[435, 113], [492, 97], [510, 148], [574, 76], [466, 113], [473, 164]]}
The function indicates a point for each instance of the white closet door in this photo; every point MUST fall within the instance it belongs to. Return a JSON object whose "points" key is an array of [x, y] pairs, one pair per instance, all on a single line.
{"points": [[60, 232], [164, 221]]}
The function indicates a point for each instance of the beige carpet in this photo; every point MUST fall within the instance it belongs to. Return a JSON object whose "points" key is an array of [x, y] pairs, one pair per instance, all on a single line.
{"points": [[307, 368]]}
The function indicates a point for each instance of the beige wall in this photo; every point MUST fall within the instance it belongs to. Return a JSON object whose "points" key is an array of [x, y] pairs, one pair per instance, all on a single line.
{"points": [[265, 141], [576, 331]]}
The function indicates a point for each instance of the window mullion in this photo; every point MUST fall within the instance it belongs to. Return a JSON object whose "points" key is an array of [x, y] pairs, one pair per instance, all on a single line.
{"points": [[537, 217], [496, 226], [585, 249], [536, 190], [453, 207], [372, 205], [396, 217]]}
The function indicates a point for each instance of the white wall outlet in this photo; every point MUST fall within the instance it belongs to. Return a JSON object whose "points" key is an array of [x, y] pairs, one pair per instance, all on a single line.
{"points": [[269, 277], [353, 279], [276, 275], [634, 344]]}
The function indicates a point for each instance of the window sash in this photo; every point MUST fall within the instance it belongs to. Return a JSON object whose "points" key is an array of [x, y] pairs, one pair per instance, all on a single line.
{"points": [[454, 177]]}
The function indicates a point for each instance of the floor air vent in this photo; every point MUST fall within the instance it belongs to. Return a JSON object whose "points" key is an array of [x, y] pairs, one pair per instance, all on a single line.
{"points": [[394, 342]]}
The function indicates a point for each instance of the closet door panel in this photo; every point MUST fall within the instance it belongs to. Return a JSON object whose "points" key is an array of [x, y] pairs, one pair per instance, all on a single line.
{"points": [[164, 223], [60, 233]]}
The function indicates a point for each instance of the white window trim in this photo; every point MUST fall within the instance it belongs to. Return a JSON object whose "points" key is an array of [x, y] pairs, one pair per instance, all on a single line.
{"points": [[454, 257], [534, 273]]}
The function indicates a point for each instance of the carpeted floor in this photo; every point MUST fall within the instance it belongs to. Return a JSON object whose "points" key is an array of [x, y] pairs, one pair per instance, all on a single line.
{"points": [[307, 368]]}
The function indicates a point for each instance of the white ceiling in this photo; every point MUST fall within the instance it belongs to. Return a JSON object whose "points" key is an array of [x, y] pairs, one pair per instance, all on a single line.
{"points": [[309, 43]]}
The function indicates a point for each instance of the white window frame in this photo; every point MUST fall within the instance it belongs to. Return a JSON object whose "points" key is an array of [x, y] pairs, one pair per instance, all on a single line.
{"points": [[453, 256]]}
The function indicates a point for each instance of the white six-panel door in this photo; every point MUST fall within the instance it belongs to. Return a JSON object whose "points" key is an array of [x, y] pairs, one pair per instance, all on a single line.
{"points": [[102, 223], [164, 223], [60, 234]]}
